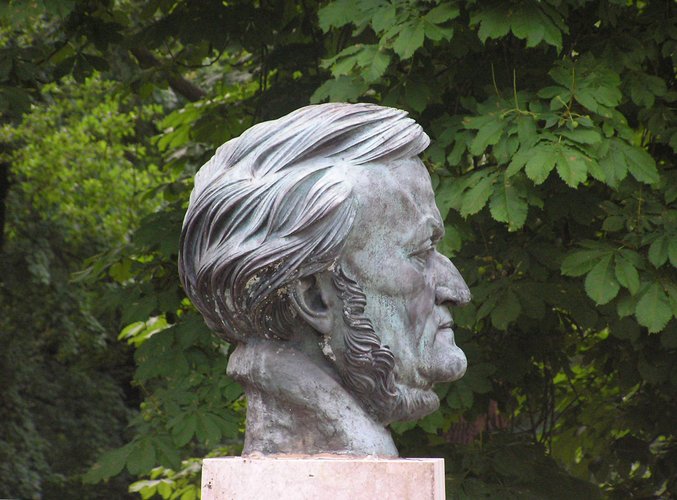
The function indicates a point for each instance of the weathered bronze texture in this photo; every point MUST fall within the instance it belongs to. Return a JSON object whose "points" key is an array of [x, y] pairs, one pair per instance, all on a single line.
{"points": [[309, 242]]}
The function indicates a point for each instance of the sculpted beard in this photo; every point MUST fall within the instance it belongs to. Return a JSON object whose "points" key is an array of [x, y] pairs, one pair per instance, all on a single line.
{"points": [[370, 370]]}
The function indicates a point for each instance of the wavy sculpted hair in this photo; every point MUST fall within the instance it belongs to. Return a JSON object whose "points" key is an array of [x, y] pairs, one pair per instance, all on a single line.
{"points": [[270, 208]]}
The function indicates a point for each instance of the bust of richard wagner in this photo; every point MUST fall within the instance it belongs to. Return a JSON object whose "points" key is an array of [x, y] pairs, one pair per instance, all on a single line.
{"points": [[309, 243]]}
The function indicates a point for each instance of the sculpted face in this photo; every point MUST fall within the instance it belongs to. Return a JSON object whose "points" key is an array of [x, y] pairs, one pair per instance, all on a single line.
{"points": [[409, 286]]}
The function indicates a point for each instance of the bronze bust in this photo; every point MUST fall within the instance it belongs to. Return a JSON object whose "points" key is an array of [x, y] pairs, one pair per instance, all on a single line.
{"points": [[310, 243]]}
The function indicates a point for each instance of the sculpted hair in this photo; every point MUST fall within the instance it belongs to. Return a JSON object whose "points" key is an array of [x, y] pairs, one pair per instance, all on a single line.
{"points": [[271, 207], [370, 365]]}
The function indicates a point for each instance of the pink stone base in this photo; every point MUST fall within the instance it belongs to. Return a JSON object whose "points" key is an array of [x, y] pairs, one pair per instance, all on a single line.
{"points": [[330, 477]]}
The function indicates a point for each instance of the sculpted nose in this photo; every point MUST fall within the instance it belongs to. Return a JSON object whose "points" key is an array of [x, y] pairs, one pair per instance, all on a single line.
{"points": [[451, 288]]}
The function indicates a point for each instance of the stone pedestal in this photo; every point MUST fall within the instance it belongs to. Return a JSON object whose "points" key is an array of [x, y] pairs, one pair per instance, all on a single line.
{"points": [[330, 477]]}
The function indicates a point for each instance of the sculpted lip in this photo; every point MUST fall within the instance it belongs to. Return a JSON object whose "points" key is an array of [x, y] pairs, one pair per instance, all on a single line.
{"points": [[445, 329]]}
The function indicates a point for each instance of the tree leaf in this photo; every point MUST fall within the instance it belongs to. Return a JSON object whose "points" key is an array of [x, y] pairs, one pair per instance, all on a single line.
{"points": [[379, 65], [442, 13], [672, 297], [506, 311], [436, 32], [409, 40], [672, 249], [526, 25], [641, 165], [460, 396], [526, 131], [505, 148], [600, 283], [653, 309], [582, 136], [517, 162], [540, 164], [142, 457], [477, 378], [207, 429], [614, 164], [626, 305], [450, 195], [433, 422], [167, 454], [494, 23], [488, 134], [659, 250], [582, 261], [344, 65], [477, 196], [336, 14], [384, 18], [613, 223], [417, 95], [571, 166], [508, 205], [627, 275], [343, 88], [184, 429], [554, 27], [587, 98], [110, 464]]}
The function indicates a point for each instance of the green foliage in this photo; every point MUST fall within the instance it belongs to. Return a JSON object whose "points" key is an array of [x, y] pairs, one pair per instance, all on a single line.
{"points": [[187, 398], [84, 148], [58, 354], [553, 121], [553, 159], [169, 484], [534, 22]]}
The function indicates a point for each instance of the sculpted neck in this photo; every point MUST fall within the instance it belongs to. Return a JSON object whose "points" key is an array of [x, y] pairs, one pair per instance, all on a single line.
{"points": [[297, 405]]}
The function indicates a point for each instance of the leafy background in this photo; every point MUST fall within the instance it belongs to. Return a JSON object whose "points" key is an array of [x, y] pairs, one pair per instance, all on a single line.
{"points": [[553, 160]]}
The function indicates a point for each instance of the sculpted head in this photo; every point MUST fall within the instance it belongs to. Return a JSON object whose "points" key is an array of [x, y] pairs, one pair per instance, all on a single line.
{"points": [[319, 229]]}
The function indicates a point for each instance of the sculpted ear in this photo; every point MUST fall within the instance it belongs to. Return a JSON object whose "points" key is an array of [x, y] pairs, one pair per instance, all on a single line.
{"points": [[311, 299]]}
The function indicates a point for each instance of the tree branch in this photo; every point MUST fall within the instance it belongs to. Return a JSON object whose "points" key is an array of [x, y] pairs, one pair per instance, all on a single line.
{"points": [[178, 84]]}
